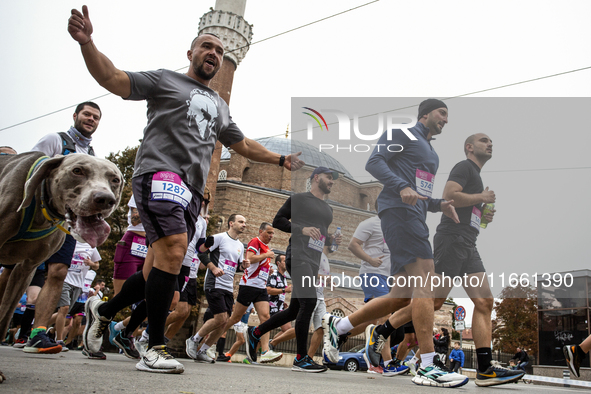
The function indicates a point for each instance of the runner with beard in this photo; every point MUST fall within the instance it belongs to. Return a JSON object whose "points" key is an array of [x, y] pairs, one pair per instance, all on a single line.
{"points": [[307, 217]]}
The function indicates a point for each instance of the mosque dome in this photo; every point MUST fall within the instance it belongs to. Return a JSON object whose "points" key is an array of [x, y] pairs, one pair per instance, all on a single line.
{"points": [[310, 154]]}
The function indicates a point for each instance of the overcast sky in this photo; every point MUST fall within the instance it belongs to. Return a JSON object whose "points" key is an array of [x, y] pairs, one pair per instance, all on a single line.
{"points": [[385, 49]]}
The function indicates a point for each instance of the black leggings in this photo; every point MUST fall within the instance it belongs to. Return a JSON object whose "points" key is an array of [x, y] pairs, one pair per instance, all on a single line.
{"points": [[301, 307]]}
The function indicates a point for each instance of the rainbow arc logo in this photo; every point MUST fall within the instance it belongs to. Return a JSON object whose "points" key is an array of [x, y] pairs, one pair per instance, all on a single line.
{"points": [[315, 118]]}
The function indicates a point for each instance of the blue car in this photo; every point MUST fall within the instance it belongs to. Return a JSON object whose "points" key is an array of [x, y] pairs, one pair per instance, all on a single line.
{"points": [[353, 360]]}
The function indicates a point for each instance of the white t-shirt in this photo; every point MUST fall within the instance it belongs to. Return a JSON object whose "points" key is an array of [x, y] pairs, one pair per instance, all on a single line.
{"points": [[77, 271], [52, 144], [225, 253], [90, 275], [131, 227], [370, 233], [191, 260]]}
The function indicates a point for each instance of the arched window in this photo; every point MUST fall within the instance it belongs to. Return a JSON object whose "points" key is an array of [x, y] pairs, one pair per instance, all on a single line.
{"points": [[222, 175], [308, 185], [337, 312]]}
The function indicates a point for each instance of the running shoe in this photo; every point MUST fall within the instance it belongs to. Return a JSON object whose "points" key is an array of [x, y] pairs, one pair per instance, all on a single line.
{"points": [[125, 344], [252, 342], [191, 348], [412, 367], [94, 356], [271, 347], [226, 358], [270, 356], [211, 352], [42, 344], [95, 325], [374, 343], [574, 357], [63, 345], [141, 346], [158, 360], [306, 364], [203, 357], [330, 350], [20, 343], [438, 375], [394, 368], [112, 332], [496, 375], [372, 369]]}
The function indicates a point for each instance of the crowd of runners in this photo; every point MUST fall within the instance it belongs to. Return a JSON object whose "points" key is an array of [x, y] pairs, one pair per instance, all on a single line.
{"points": [[165, 245]]}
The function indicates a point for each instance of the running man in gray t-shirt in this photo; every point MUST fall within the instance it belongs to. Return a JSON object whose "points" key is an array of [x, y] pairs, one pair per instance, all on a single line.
{"points": [[185, 119]]}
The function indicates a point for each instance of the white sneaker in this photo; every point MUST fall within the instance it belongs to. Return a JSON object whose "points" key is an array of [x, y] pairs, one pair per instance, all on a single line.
{"points": [[191, 348], [64, 347], [141, 346], [438, 375], [95, 326], [331, 337], [270, 356], [202, 357], [412, 367], [158, 360], [211, 352]]}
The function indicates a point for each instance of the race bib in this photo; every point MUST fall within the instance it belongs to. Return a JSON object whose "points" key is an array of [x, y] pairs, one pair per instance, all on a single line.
{"points": [[194, 267], [230, 267], [77, 263], [317, 245], [138, 246], [264, 273], [168, 186], [475, 218], [282, 297], [424, 182]]}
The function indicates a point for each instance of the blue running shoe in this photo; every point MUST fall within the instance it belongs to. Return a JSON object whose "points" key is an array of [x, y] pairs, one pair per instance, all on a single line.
{"points": [[394, 368], [112, 332]]}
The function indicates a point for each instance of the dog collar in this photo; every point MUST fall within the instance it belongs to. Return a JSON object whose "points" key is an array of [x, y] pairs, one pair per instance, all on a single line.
{"points": [[54, 218]]}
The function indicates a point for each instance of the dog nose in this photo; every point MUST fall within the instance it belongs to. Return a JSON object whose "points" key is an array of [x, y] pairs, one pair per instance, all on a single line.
{"points": [[103, 199]]}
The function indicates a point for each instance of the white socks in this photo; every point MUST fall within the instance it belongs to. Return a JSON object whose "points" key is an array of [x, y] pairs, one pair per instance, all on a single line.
{"points": [[119, 326], [427, 358], [344, 326]]}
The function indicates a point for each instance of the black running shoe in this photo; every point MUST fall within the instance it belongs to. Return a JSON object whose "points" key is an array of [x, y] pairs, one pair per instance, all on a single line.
{"points": [[306, 364], [42, 344], [252, 342], [574, 357], [496, 375], [94, 356], [126, 345]]}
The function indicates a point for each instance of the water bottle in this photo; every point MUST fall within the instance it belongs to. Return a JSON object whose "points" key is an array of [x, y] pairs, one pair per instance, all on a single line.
{"points": [[334, 246], [487, 209]]}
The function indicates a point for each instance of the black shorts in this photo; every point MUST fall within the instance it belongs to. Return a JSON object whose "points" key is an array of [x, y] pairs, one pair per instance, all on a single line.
{"points": [[76, 309], [38, 278], [220, 301], [66, 252], [187, 286], [249, 294], [409, 328], [162, 218], [407, 237], [455, 255], [207, 315]]}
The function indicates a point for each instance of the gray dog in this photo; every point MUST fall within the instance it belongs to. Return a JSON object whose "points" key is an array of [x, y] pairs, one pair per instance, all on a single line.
{"points": [[40, 197]]}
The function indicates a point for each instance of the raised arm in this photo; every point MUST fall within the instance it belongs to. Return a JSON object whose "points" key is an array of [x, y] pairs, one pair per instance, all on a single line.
{"points": [[255, 151], [99, 66]]}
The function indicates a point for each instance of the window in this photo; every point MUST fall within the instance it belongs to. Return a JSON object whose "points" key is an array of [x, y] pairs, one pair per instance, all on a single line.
{"points": [[338, 312], [308, 185], [222, 175]]}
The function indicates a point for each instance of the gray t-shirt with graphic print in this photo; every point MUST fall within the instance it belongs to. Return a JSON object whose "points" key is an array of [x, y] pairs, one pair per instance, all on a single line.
{"points": [[185, 119]]}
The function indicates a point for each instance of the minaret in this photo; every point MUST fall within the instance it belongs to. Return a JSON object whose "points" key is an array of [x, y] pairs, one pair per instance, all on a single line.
{"points": [[227, 22]]}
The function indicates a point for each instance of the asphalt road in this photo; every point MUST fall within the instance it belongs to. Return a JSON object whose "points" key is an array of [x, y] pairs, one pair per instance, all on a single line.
{"points": [[73, 373]]}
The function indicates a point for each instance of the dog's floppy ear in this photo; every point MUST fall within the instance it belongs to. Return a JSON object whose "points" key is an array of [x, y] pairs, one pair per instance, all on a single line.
{"points": [[41, 172]]}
